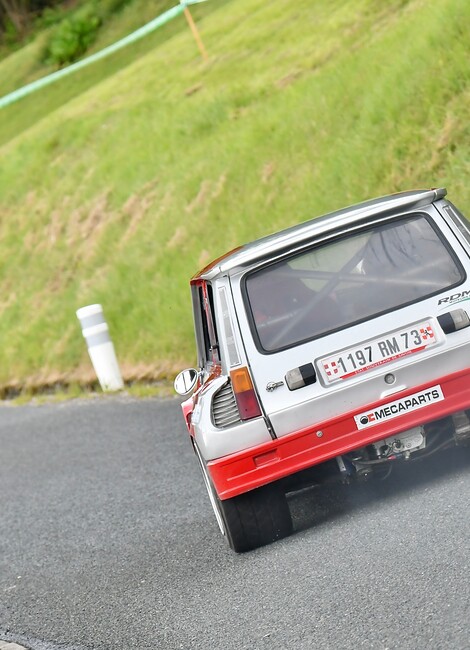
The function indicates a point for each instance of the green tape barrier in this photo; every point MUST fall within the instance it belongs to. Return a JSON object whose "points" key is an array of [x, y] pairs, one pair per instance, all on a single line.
{"points": [[118, 45]]}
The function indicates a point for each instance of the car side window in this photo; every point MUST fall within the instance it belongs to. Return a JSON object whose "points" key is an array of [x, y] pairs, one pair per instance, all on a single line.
{"points": [[462, 223], [209, 328]]}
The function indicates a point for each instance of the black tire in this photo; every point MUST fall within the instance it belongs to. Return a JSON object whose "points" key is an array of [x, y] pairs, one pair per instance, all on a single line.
{"points": [[252, 519], [256, 518]]}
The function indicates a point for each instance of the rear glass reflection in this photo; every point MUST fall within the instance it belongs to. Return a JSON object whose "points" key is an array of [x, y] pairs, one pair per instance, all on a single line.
{"points": [[351, 279]]}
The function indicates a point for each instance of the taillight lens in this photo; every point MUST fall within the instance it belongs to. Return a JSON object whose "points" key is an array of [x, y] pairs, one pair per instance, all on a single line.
{"points": [[455, 320], [245, 395]]}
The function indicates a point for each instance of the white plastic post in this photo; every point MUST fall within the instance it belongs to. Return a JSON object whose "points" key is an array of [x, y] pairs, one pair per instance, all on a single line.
{"points": [[100, 347]]}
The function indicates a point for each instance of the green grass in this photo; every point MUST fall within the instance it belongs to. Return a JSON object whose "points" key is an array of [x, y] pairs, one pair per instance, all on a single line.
{"points": [[119, 182]]}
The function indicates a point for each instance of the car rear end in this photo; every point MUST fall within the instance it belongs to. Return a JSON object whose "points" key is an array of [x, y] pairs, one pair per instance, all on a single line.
{"points": [[355, 341], [338, 347]]}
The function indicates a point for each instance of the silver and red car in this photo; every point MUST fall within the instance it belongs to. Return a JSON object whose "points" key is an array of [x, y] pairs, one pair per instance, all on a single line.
{"points": [[335, 348]]}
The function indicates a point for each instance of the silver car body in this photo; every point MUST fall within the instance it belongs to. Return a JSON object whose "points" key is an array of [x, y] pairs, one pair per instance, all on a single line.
{"points": [[212, 414]]}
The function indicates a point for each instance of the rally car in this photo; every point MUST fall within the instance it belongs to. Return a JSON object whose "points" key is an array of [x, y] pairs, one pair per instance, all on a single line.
{"points": [[333, 349]]}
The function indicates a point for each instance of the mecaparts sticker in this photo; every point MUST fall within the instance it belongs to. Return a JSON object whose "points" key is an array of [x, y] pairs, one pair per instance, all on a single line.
{"points": [[399, 407]]}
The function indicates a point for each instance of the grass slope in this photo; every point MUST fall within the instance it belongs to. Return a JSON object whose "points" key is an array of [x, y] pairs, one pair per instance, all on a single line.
{"points": [[121, 193]]}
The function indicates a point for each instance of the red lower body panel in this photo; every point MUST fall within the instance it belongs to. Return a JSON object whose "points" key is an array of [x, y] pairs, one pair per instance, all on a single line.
{"points": [[238, 473]]}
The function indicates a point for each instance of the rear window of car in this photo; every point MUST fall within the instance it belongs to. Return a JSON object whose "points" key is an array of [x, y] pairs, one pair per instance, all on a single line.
{"points": [[349, 280]]}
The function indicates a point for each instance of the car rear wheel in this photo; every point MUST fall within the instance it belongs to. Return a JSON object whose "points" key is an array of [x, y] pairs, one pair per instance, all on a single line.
{"points": [[252, 519]]}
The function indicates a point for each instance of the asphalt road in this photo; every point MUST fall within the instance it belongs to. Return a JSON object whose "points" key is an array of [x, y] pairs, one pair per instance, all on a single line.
{"points": [[107, 541]]}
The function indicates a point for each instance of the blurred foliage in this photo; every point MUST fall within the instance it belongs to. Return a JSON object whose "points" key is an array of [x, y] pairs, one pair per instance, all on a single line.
{"points": [[76, 23], [17, 17], [73, 36]]}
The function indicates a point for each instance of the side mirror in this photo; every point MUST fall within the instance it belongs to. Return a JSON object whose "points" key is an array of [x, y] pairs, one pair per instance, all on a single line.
{"points": [[186, 381]]}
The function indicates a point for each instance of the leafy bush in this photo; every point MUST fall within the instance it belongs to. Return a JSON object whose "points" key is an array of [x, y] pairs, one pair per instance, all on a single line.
{"points": [[73, 36], [49, 17], [9, 33]]}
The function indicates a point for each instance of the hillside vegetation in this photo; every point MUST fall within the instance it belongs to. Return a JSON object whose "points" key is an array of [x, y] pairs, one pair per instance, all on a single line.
{"points": [[118, 183]]}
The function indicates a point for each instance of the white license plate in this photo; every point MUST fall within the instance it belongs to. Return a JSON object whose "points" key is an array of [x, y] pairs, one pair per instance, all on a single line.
{"points": [[377, 352]]}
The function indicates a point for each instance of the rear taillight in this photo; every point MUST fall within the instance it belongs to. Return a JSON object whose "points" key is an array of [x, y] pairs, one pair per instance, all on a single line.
{"points": [[455, 320], [245, 395]]}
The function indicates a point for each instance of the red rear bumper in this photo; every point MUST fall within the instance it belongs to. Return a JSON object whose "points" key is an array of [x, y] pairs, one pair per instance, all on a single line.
{"points": [[232, 475]]}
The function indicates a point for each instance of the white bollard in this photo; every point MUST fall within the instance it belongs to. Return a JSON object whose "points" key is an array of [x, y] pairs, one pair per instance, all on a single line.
{"points": [[100, 347]]}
